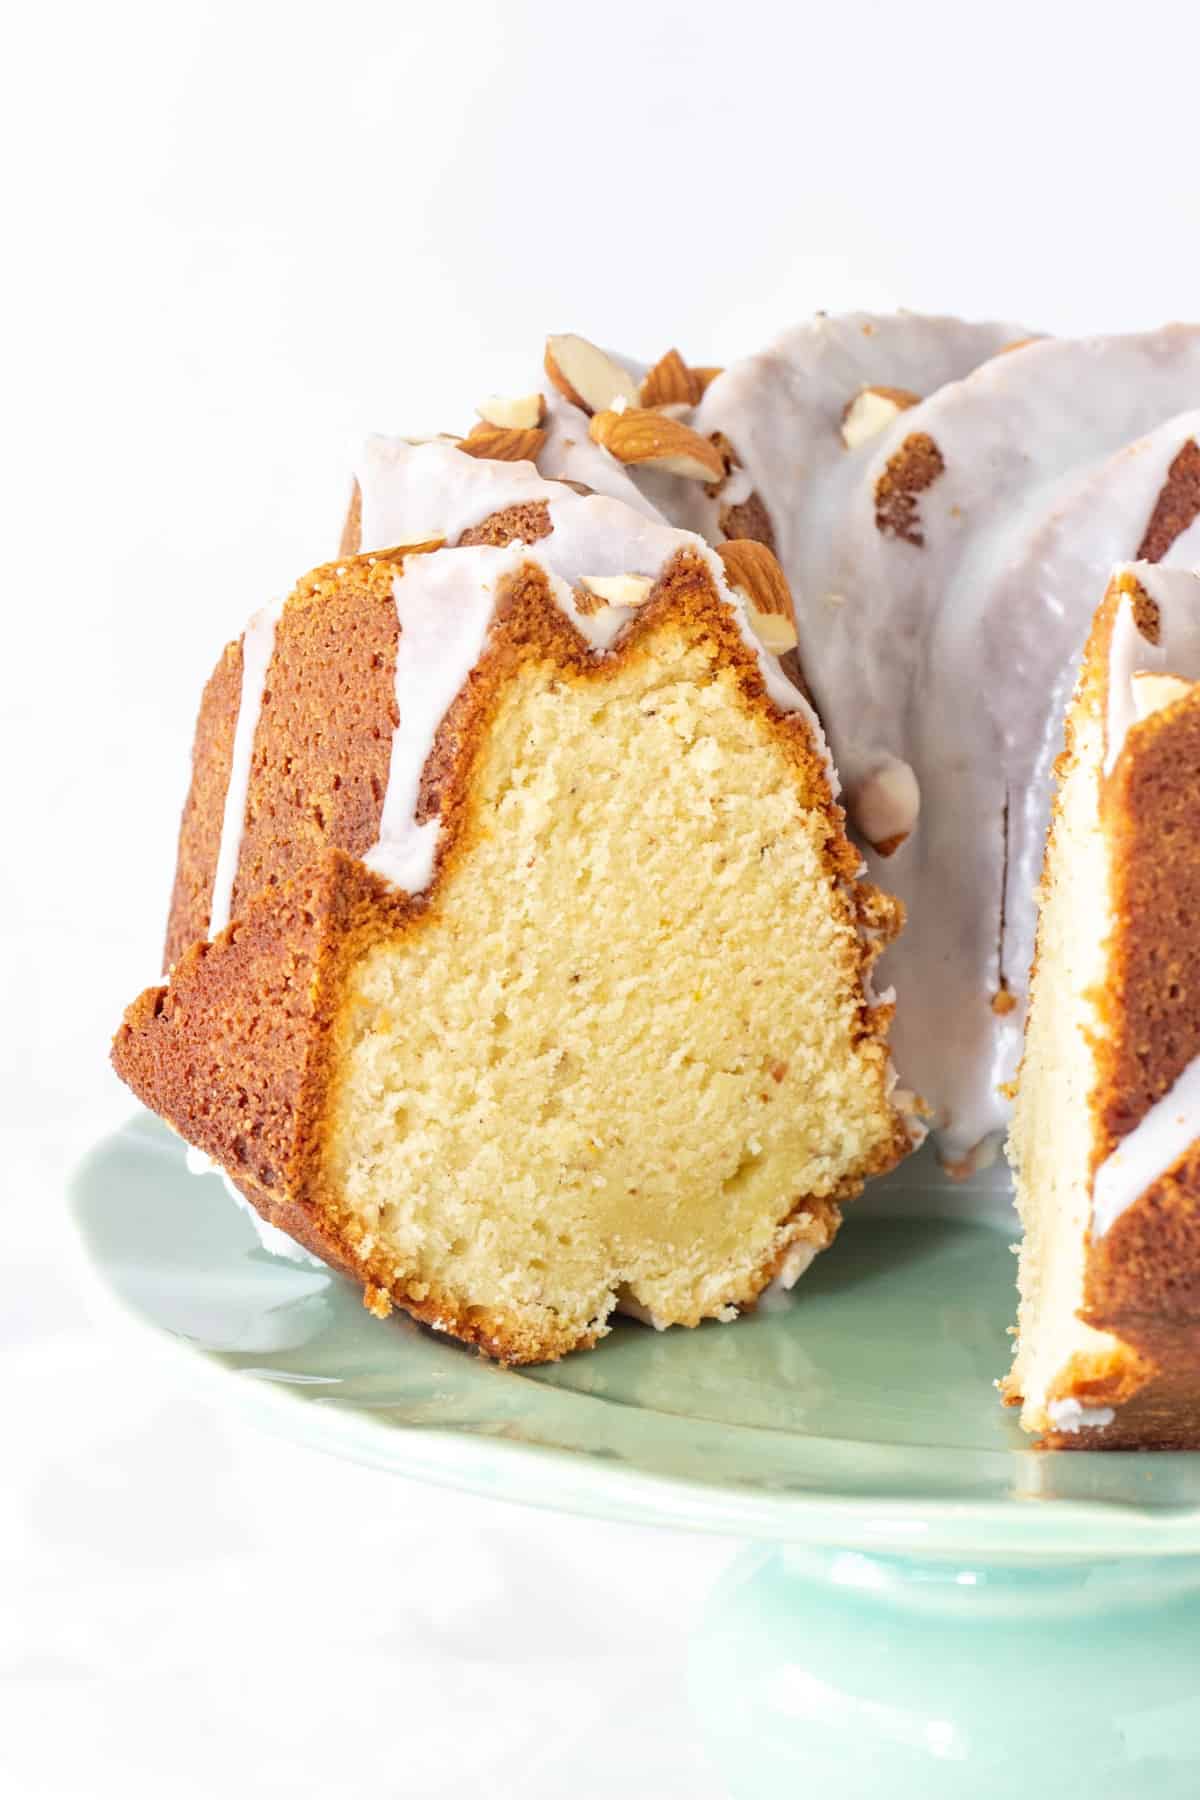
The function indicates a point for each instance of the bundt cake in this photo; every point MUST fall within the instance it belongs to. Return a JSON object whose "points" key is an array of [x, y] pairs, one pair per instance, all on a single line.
{"points": [[945, 578], [563, 734], [943, 498], [494, 832], [1105, 1138]]}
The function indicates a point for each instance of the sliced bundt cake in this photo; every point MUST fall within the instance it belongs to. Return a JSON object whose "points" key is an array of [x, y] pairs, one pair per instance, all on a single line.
{"points": [[943, 604], [1106, 1133], [505, 823]]}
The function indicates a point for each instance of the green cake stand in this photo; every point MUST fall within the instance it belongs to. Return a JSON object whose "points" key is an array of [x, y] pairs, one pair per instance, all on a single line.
{"points": [[930, 1607]]}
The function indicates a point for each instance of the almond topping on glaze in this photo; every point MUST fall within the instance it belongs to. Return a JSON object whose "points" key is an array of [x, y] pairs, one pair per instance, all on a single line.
{"points": [[522, 414], [753, 572], [498, 444], [619, 590], [705, 377], [871, 411], [885, 805], [671, 383], [1152, 692], [587, 377], [652, 440]]}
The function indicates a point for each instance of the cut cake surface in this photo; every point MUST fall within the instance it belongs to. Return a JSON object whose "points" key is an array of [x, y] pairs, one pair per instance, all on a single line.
{"points": [[501, 1023]]}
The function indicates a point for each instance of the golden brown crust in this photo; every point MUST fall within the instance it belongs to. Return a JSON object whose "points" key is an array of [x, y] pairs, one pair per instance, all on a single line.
{"points": [[323, 744], [914, 467], [322, 747], [1176, 507], [1107, 1377], [229, 1051], [204, 808], [527, 521], [1163, 1412], [1142, 1277], [1151, 1003], [238, 1052], [748, 519]]}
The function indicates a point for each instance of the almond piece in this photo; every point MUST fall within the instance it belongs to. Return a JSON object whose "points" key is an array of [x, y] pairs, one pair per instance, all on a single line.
{"points": [[704, 377], [871, 409], [885, 806], [671, 383], [1017, 344], [521, 414], [498, 444], [585, 376], [652, 440], [1152, 692], [753, 572], [619, 590]]}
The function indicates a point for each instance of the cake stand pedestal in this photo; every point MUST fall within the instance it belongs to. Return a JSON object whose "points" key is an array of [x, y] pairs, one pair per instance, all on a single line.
{"points": [[853, 1675], [938, 1609]]}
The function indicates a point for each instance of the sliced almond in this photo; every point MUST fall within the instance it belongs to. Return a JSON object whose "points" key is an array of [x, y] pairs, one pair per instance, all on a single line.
{"points": [[704, 377], [585, 376], [773, 633], [885, 806], [671, 383], [498, 444], [871, 411], [652, 440], [520, 414], [619, 590], [1152, 692], [753, 572]]}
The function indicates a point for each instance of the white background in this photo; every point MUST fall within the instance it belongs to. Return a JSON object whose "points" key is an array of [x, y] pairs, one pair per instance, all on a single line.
{"points": [[237, 236]]}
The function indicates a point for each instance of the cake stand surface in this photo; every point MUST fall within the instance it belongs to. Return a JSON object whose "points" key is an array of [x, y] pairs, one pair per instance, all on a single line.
{"points": [[933, 1608]]}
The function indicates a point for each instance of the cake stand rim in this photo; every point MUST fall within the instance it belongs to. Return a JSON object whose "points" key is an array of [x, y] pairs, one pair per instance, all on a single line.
{"points": [[1005, 1531]]}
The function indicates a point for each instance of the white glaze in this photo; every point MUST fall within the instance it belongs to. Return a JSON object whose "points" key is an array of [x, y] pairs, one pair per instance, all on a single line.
{"points": [[570, 455], [1035, 629], [1154, 1145], [956, 657], [796, 1262], [894, 638], [445, 605], [258, 644], [414, 492], [1172, 1124], [1071, 1415]]}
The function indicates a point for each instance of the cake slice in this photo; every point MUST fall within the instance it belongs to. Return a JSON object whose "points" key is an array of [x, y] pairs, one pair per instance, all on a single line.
{"points": [[1106, 1134], [504, 824]]}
